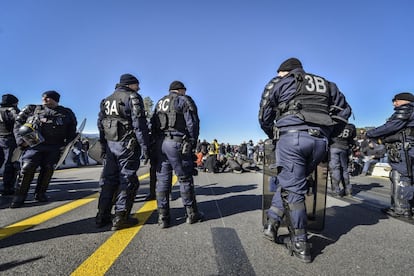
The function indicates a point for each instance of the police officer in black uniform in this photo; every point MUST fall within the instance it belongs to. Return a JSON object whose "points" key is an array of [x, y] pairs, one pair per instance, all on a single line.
{"points": [[398, 135], [176, 125], [41, 131], [124, 136], [305, 107], [8, 113], [340, 151]]}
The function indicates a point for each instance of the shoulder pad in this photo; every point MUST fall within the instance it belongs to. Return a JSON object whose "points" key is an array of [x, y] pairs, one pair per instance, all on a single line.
{"points": [[271, 83], [26, 112], [190, 103], [135, 97], [403, 112], [29, 108], [137, 104]]}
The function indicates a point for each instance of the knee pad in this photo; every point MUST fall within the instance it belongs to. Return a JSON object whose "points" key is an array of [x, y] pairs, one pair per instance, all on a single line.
{"points": [[395, 176], [296, 225], [28, 167]]}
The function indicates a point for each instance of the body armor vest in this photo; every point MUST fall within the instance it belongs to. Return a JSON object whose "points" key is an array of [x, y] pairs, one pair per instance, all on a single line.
{"points": [[346, 137], [169, 118], [116, 124], [311, 102], [53, 124]]}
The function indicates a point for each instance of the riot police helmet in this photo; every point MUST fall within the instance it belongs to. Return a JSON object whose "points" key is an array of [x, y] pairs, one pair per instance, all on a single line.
{"points": [[30, 135]]}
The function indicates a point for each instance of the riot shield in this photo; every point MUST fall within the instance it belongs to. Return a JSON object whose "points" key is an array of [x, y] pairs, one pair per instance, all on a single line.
{"points": [[70, 145], [315, 200], [95, 152]]}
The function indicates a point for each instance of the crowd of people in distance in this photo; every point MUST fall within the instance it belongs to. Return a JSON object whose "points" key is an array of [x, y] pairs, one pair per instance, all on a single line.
{"points": [[365, 154], [219, 158]]}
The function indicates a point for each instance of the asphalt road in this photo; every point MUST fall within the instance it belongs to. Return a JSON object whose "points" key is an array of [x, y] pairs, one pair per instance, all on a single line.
{"points": [[60, 238]]}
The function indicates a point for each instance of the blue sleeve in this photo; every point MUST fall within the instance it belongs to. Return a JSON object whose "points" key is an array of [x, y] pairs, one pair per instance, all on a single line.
{"points": [[267, 113], [191, 118], [72, 123], [340, 107], [391, 127], [139, 120]]}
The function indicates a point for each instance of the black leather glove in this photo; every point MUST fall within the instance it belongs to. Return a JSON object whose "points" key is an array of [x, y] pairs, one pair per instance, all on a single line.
{"points": [[186, 147], [193, 143], [146, 157]]}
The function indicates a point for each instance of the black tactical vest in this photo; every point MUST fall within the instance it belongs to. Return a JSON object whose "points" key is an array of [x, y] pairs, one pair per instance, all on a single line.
{"points": [[170, 119], [345, 137], [52, 122], [311, 102], [117, 118]]}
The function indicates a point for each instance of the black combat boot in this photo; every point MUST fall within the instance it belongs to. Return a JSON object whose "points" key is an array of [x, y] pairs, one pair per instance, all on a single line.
{"points": [[301, 250], [102, 219], [348, 189], [22, 189], [123, 220], [164, 218], [336, 190], [270, 230], [41, 197], [18, 200], [193, 215], [43, 180]]}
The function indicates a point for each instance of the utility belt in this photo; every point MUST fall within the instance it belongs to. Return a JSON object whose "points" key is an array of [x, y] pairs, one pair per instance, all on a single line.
{"points": [[175, 138], [311, 131], [393, 150], [399, 145]]}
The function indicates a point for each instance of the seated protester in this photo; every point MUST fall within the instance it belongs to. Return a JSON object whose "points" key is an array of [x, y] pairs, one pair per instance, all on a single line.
{"points": [[210, 164], [221, 163], [374, 153], [232, 165], [204, 147], [246, 164], [199, 160]]}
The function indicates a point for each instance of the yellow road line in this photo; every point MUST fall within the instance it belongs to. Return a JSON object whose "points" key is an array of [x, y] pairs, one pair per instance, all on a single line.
{"points": [[37, 219], [103, 258], [45, 216]]}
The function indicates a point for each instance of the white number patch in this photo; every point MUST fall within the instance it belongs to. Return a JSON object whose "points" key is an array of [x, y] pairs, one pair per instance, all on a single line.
{"points": [[164, 105], [315, 84], [345, 133], [111, 108]]}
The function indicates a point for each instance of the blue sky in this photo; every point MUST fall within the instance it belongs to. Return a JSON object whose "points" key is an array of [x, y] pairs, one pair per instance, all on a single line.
{"points": [[225, 51]]}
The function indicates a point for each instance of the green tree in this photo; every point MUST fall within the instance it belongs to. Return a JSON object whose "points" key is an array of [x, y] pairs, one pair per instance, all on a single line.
{"points": [[148, 104]]}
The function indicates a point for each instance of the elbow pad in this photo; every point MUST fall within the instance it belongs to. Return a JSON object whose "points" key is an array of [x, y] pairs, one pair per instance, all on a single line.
{"points": [[403, 112], [137, 105]]}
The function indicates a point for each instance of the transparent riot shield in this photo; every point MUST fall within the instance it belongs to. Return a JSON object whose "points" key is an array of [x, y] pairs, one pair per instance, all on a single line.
{"points": [[315, 199]]}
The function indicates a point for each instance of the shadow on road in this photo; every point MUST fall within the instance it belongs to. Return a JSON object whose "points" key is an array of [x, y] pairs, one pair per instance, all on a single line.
{"points": [[339, 221]]}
